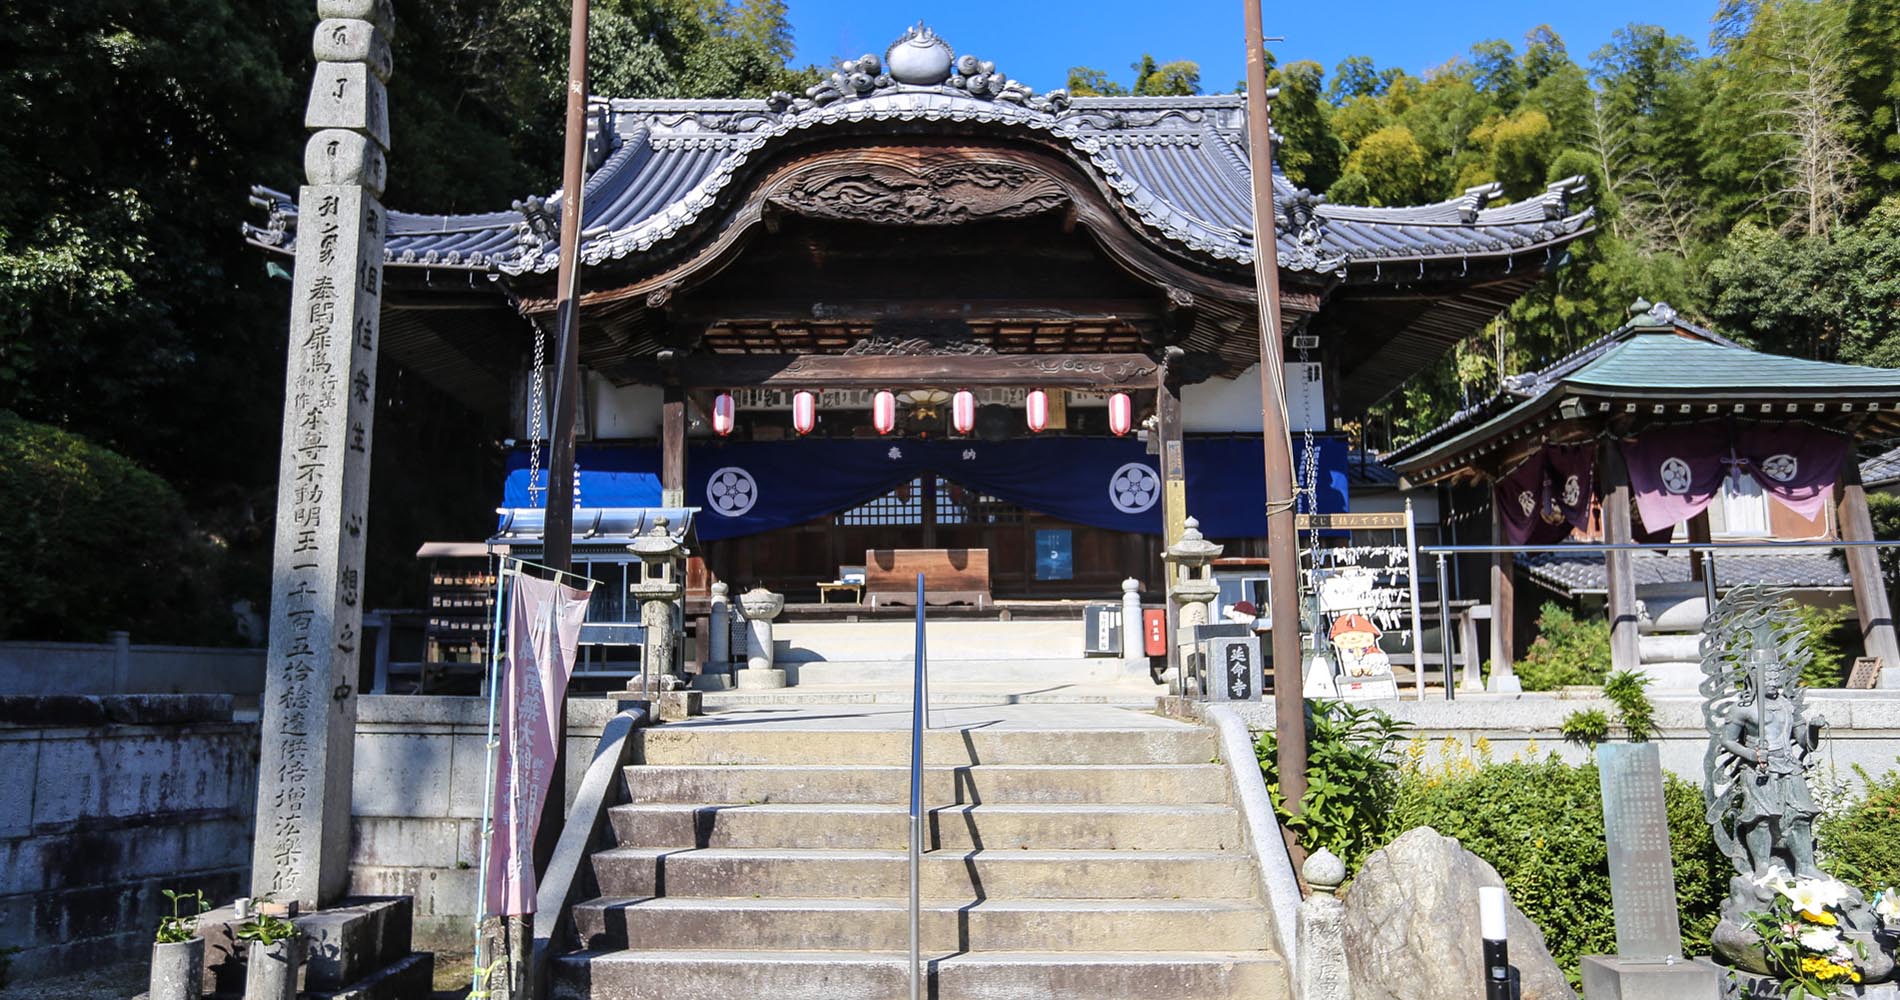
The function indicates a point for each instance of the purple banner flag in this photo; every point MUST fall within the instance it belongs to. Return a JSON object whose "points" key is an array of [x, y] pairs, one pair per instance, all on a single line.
{"points": [[1547, 496], [1796, 464], [1676, 471], [544, 627]]}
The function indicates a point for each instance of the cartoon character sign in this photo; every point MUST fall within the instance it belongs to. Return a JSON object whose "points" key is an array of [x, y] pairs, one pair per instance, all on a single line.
{"points": [[1357, 640]]}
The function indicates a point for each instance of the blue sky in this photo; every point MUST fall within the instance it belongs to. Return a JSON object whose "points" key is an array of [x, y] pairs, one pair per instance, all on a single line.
{"points": [[1036, 41]]}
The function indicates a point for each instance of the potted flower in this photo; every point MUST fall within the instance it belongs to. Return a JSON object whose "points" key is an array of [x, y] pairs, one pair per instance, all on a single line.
{"points": [[178, 953], [276, 954], [1802, 937]]}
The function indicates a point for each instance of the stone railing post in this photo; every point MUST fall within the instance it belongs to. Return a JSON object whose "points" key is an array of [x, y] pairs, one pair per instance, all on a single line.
{"points": [[716, 673], [1321, 962], [760, 606], [1134, 633]]}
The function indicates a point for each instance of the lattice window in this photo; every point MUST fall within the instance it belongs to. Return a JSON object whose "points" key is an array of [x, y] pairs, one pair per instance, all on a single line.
{"points": [[902, 506], [957, 505]]}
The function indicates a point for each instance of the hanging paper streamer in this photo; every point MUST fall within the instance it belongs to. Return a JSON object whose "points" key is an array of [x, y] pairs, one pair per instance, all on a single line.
{"points": [[723, 414], [544, 627], [1121, 414], [963, 412], [884, 412], [1037, 409], [804, 412]]}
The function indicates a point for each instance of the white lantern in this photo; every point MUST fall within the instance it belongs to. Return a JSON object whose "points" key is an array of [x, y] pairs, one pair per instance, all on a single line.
{"points": [[884, 412], [1037, 407], [804, 412], [1121, 413], [723, 414], [963, 411]]}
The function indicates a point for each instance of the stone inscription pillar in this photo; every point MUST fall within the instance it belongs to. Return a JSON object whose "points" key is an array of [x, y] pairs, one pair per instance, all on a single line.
{"points": [[309, 708]]}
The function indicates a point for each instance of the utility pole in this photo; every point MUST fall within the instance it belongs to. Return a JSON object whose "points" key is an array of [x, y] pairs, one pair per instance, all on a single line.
{"points": [[1283, 552], [558, 539]]}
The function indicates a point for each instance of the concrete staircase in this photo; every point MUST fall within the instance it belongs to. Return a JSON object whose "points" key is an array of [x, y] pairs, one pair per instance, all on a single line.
{"points": [[768, 858]]}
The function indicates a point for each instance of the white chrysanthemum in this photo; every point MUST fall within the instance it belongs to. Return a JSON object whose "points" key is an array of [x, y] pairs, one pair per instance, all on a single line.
{"points": [[1888, 905], [1821, 939]]}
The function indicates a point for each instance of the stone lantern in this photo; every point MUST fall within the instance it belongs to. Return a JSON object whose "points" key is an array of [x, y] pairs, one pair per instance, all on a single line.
{"points": [[1191, 586], [760, 606], [662, 583]]}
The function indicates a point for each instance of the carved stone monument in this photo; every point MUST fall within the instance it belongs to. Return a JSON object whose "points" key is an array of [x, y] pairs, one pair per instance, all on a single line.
{"points": [[1761, 739], [309, 706]]}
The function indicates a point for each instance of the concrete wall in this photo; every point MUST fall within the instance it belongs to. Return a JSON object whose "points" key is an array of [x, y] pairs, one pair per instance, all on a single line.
{"points": [[122, 667], [106, 801], [1864, 727], [418, 805]]}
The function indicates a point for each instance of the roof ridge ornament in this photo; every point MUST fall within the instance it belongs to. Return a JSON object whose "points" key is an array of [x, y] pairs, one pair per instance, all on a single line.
{"points": [[918, 59]]}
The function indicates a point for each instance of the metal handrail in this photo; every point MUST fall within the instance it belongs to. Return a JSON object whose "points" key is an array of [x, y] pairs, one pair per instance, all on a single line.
{"points": [[919, 722], [1706, 550]]}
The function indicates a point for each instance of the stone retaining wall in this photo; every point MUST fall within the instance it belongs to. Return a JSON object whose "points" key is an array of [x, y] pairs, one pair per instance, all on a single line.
{"points": [[105, 801], [1864, 726]]}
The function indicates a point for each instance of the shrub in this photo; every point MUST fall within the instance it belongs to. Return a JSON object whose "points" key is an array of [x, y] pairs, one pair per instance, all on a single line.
{"points": [[1828, 638], [1540, 824], [1625, 690], [1586, 727], [1351, 779], [1567, 650], [96, 543], [1857, 843]]}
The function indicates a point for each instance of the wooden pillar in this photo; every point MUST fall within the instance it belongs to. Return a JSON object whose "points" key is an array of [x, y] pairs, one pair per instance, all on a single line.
{"points": [[1624, 651], [1173, 495], [673, 448], [1863, 564], [1698, 532], [1503, 611]]}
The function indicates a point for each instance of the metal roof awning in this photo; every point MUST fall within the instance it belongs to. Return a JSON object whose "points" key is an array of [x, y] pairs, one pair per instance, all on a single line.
{"points": [[596, 526]]}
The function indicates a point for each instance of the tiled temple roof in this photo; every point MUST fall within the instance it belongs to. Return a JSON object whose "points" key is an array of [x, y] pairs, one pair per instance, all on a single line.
{"points": [[1571, 574], [1177, 165]]}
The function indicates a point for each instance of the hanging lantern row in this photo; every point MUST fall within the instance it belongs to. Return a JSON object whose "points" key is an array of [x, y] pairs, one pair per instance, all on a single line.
{"points": [[1121, 412]]}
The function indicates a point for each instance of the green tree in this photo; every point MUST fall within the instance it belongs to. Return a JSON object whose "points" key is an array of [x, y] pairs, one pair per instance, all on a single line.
{"points": [[1390, 167], [1180, 78], [1087, 82], [1311, 154]]}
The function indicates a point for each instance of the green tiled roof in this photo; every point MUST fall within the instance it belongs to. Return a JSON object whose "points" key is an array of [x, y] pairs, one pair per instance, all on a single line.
{"points": [[1661, 360]]}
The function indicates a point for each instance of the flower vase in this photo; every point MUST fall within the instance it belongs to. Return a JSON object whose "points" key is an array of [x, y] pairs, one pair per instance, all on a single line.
{"points": [[270, 971], [178, 970]]}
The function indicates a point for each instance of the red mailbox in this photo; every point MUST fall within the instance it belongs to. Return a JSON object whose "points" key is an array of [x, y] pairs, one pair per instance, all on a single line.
{"points": [[1154, 631]]}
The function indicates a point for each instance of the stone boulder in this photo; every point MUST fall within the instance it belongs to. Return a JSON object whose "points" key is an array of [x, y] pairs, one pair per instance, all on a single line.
{"points": [[1412, 926]]}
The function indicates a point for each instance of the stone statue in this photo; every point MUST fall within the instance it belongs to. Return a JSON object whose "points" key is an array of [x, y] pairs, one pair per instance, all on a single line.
{"points": [[1761, 740], [1756, 768]]}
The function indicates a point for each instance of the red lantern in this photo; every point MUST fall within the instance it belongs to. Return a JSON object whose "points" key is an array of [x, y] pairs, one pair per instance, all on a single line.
{"points": [[723, 414], [884, 412], [1121, 413], [963, 411], [1037, 406], [804, 412]]}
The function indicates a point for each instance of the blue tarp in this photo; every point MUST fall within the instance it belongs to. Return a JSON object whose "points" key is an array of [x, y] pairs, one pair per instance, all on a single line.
{"points": [[744, 488]]}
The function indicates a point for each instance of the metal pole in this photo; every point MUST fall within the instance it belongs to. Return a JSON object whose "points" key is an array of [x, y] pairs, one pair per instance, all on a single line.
{"points": [[1418, 622], [488, 773], [1444, 631], [918, 722], [1283, 552], [1708, 579]]}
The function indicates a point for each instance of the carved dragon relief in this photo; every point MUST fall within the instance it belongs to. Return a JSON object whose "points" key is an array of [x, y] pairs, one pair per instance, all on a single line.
{"points": [[945, 194], [914, 347]]}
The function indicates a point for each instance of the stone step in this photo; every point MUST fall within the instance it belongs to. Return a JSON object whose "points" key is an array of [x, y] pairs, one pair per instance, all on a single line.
{"points": [[1115, 827], [711, 743], [632, 872], [1139, 694], [944, 927], [841, 975], [995, 667], [948, 641], [1159, 784]]}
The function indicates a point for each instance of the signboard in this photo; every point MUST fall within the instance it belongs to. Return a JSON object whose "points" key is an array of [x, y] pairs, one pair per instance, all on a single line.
{"points": [[1390, 521], [1102, 630], [1154, 631], [1233, 668], [1055, 554], [1866, 673], [1636, 830]]}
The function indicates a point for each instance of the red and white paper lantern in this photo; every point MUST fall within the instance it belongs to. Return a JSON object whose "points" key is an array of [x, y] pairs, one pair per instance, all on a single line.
{"points": [[1037, 408], [963, 411], [884, 412], [723, 414], [1121, 413], [804, 412]]}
